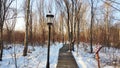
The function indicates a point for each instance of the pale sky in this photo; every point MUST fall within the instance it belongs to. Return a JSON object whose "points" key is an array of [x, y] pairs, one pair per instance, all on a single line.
{"points": [[20, 25]]}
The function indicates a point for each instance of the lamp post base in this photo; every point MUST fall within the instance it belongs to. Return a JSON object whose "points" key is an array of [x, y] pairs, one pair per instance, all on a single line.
{"points": [[47, 65]]}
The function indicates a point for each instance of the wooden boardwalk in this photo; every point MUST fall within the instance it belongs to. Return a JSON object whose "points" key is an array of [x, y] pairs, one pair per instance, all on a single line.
{"points": [[66, 59]]}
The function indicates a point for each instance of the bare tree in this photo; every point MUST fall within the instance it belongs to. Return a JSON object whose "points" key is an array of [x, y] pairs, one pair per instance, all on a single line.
{"points": [[78, 5], [107, 21], [67, 9], [34, 28], [10, 22], [30, 27], [91, 31], [4, 5], [96, 27], [26, 32], [67, 6], [62, 26], [119, 34], [41, 10]]}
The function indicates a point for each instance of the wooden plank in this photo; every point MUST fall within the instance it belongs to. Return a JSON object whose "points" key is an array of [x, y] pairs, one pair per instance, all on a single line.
{"points": [[66, 59]]}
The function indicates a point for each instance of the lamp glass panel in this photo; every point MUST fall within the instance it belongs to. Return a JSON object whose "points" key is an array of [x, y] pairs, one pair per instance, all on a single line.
{"points": [[50, 19]]}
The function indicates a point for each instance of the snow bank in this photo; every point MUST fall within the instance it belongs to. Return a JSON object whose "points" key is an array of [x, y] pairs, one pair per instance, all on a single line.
{"points": [[84, 59], [34, 59], [107, 56]]}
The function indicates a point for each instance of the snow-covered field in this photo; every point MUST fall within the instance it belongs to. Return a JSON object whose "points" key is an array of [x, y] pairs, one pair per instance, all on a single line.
{"points": [[108, 57], [34, 59]]}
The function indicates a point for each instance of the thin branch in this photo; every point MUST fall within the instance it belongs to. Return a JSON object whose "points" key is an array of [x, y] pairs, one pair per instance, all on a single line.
{"points": [[115, 2], [111, 6], [14, 17]]}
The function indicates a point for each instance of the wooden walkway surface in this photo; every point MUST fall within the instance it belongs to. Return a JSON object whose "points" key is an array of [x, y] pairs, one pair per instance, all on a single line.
{"points": [[66, 59]]}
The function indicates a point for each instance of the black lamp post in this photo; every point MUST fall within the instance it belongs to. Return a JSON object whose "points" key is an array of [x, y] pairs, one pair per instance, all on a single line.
{"points": [[49, 23]]}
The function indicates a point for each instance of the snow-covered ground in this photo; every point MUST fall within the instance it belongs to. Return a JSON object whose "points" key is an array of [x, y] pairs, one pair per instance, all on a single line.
{"points": [[110, 57], [38, 57], [107, 57], [34, 59], [83, 58]]}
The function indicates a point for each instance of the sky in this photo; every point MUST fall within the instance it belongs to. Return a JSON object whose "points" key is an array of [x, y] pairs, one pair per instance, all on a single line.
{"points": [[20, 23]]}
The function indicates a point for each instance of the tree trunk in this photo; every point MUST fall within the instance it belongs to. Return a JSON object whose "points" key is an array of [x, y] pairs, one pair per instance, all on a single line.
{"points": [[1, 32], [53, 32], [119, 34], [91, 27], [9, 36], [78, 34], [26, 32], [31, 29], [43, 36], [1, 43], [68, 29]]}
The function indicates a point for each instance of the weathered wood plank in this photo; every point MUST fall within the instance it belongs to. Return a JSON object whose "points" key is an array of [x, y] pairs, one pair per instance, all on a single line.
{"points": [[66, 59]]}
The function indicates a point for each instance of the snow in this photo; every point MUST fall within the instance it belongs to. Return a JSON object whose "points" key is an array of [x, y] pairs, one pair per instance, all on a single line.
{"points": [[34, 59], [38, 58], [110, 57], [84, 59], [107, 55]]}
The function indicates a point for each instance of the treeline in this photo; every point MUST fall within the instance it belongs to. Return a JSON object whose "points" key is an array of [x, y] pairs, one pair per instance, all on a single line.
{"points": [[99, 36]]}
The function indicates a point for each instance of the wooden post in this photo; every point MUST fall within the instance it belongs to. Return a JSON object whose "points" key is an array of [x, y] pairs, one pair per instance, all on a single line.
{"points": [[97, 55], [97, 58]]}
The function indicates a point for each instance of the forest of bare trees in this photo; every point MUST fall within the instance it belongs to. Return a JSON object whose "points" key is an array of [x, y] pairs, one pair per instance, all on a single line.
{"points": [[90, 21]]}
